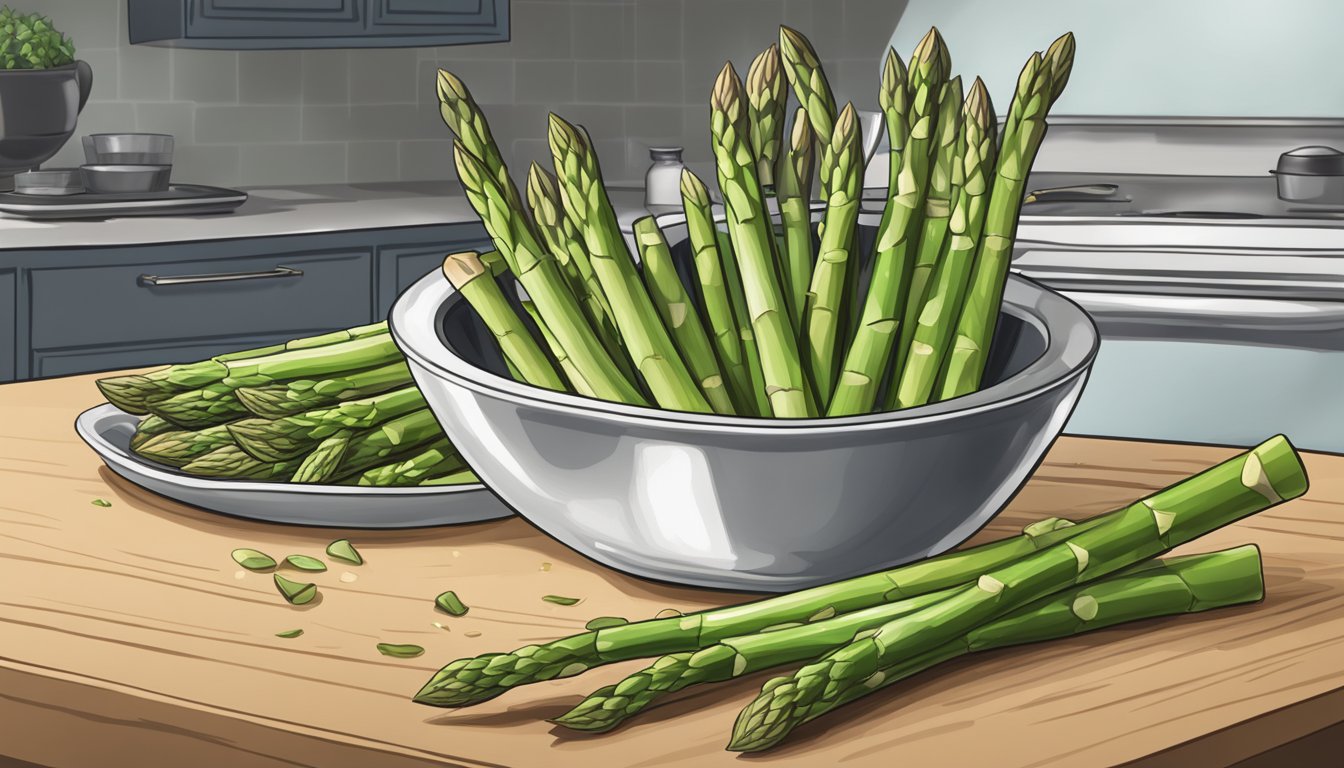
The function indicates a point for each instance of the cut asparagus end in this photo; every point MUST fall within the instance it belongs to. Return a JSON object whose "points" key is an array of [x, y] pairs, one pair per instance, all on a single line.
{"points": [[463, 267]]}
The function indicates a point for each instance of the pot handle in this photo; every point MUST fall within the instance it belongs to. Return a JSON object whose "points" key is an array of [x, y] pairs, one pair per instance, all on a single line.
{"points": [[84, 78]]}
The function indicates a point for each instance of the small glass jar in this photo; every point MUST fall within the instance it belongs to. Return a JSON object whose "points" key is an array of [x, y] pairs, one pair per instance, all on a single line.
{"points": [[662, 184]]}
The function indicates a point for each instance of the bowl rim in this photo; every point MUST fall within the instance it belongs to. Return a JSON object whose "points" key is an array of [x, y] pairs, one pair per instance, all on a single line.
{"points": [[1069, 332]]}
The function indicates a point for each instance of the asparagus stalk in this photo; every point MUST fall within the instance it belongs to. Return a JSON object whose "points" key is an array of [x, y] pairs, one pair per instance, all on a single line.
{"points": [[539, 274], [1040, 84], [565, 243], [231, 462], [294, 436], [518, 346], [463, 477], [753, 238], [321, 463], [908, 103], [937, 211], [398, 439], [464, 118], [709, 268], [276, 401], [679, 314], [149, 427], [802, 67], [470, 681], [765, 112], [179, 448], [827, 293], [1248, 483], [133, 393], [217, 403], [938, 317], [558, 352], [587, 205], [208, 406], [793, 189], [441, 460], [1156, 588], [751, 351]]}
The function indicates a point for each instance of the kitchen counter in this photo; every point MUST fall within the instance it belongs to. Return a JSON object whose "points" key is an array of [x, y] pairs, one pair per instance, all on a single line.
{"points": [[273, 211], [129, 635]]}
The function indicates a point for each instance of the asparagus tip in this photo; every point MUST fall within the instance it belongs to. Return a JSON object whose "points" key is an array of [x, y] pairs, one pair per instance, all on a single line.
{"points": [[450, 86], [727, 89]]}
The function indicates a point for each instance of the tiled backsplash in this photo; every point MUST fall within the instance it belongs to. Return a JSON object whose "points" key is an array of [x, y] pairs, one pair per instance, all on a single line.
{"points": [[636, 73]]}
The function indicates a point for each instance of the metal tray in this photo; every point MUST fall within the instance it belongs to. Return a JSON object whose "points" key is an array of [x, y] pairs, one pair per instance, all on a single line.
{"points": [[108, 430], [178, 199]]}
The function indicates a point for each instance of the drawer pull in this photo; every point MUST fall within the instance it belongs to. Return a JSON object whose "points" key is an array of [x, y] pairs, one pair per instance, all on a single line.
{"points": [[218, 277]]}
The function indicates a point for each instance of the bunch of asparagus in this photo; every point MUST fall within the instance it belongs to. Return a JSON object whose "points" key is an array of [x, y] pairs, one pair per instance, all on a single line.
{"points": [[338, 408], [855, 637], [785, 317]]}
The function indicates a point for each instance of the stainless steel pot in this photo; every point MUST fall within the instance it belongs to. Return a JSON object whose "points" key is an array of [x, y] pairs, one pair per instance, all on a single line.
{"points": [[1312, 174]]}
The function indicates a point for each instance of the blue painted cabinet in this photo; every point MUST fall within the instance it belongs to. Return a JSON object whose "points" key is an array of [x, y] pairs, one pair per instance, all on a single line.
{"points": [[96, 309], [254, 24]]}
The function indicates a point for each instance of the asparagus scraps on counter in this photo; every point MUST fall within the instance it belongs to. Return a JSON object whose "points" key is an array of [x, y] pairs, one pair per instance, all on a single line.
{"points": [[849, 639], [337, 408], [776, 309]]}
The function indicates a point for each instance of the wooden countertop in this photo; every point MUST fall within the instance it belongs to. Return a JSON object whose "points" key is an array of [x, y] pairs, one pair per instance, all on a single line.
{"points": [[129, 636]]}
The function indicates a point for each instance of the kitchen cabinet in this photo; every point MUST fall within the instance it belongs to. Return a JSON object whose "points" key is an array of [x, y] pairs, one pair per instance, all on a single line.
{"points": [[78, 310], [7, 323], [247, 24]]}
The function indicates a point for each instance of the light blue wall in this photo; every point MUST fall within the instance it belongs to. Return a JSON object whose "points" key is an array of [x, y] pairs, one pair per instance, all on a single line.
{"points": [[1231, 58]]}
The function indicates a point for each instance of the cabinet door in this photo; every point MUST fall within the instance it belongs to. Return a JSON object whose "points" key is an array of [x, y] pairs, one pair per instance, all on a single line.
{"points": [[8, 322], [118, 357], [401, 265], [242, 295], [447, 21], [274, 18]]}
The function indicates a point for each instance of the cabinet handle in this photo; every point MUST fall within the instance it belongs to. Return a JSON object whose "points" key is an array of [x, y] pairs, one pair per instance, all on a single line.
{"points": [[218, 277]]}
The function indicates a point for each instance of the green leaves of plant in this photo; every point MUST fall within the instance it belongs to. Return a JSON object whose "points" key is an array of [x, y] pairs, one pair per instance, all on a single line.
{"points": [[30, 42]]}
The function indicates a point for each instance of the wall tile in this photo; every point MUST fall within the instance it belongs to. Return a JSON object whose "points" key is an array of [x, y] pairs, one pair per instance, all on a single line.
{"points": [[599, 31], [249, 123], [372, 161], [215, 164], [382, 76], [106, 65], [605, 82], [270, 77], [659, 82], [633, 72], [658, 30], [426, 160], [205, 76], [544, 82], [540, 30], [175, 117], [144, 73], [325, 77], [274, 164]]}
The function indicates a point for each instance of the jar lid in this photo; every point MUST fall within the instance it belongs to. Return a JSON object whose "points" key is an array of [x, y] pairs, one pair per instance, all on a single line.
{"points": [[1312, 161], [665, 153]]}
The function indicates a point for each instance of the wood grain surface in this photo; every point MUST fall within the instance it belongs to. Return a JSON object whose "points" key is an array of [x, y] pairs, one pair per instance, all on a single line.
{"points": [[129, 637]]}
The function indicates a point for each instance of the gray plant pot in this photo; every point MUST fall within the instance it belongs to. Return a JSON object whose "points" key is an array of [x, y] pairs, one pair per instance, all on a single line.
{"points": [[38, 112]]}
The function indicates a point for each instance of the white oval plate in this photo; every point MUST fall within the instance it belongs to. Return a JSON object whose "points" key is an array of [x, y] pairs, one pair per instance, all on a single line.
{"points": [[108, 430]]}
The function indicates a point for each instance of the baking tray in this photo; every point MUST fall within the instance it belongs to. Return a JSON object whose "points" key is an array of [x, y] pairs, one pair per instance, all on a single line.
{"points": [[108, 429], [178, 199]]}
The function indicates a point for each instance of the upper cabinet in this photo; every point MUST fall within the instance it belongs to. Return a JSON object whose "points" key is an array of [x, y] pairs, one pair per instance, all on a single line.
{"points": [[256, 24]]}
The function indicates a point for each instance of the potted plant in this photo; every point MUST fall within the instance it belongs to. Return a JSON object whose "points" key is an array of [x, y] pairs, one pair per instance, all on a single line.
{"points": [[42, 90]]}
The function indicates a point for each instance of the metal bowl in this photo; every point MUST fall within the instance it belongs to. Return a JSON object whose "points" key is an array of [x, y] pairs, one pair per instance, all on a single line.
{"points": [[128, 149], [126, 178], [749, 503]]}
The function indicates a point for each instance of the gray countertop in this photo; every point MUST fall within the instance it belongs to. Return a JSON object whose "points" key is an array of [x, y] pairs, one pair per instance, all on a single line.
{"points": [[276, 211]]}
